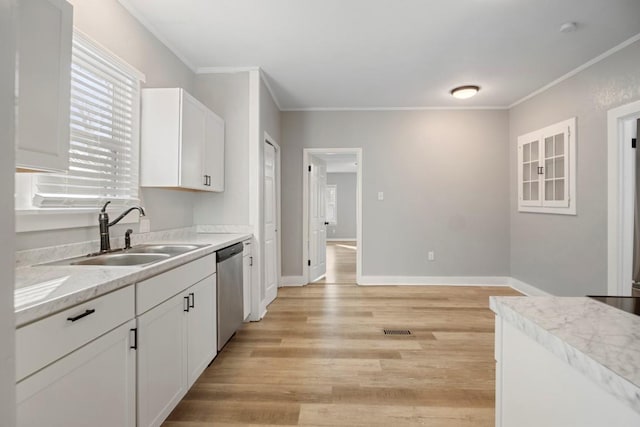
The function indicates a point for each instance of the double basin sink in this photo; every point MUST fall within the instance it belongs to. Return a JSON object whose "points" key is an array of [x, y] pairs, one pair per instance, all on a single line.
{"points": [[136, 255]]}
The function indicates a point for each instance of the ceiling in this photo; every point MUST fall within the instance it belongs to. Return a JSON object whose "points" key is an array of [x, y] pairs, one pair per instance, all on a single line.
{"points": [[351, 54], [339, 162]]}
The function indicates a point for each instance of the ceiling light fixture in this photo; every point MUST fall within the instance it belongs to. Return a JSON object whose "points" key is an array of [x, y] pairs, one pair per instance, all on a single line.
{"points": [[464, 92]]}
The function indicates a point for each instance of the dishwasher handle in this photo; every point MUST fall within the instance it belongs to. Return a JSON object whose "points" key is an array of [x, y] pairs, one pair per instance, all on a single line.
{"points": [[228, 252]]}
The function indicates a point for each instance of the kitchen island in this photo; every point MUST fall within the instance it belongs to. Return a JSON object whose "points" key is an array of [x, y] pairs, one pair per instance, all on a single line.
{"points": [[565, 362]]}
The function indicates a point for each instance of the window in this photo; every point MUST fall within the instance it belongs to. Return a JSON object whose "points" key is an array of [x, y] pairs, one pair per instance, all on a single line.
{"points": [[547, 169], [104, 145], [331, 204]]}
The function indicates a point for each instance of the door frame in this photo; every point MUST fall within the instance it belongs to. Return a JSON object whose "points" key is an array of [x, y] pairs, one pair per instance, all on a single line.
{"points": [[268, 139], [307, 153], [621, 189]]}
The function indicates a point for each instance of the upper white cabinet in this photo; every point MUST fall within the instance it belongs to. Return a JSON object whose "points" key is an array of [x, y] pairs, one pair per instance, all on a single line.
{"points": [[44, 76], [182, 142]]}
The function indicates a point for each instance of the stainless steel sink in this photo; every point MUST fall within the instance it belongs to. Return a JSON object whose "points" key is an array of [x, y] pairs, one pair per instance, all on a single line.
{"points": [[121, 259], [136, 256], [163, 249]]}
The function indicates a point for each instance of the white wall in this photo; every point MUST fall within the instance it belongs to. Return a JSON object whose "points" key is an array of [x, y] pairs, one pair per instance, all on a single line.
{"points": [[346, 187], [7, 166], [108, 23], [444, 175], [228, 96], [567, 255]]}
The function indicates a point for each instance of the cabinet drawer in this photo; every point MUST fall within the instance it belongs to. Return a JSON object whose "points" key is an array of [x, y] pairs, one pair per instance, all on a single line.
{"points": [[157, 289], [49, 339]]}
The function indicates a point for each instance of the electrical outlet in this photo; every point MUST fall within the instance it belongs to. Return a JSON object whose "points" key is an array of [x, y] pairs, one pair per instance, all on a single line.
{"points": [[380, 195], [144, 226], [431, 255]]}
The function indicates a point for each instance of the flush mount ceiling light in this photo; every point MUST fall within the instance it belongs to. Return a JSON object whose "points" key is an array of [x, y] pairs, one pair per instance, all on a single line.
{"points": [[464, 92]]}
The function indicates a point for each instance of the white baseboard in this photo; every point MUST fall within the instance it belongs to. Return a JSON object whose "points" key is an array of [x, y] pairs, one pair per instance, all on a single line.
{"points": [[292, 281], [436, 280], [343, 239], [527, 289]]}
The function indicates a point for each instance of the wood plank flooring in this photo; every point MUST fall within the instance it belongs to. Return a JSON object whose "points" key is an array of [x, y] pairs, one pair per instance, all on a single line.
{"points": [[341, 262], [320, 358]]}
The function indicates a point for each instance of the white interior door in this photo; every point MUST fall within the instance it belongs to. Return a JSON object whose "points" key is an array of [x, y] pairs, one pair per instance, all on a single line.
{"points": [[270, 223], [317, 219]]}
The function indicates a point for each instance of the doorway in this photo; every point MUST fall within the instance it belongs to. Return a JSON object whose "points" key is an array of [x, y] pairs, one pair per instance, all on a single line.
{"points": [[271, 221], [332, 215], [622, 128]]}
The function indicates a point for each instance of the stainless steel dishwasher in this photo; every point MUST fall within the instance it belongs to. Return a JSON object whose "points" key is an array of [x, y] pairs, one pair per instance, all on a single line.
{"points": [[229, 270]]}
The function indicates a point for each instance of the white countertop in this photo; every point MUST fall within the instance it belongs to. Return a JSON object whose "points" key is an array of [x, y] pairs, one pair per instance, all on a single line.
{"points": [[42, 290], [600, 341]]}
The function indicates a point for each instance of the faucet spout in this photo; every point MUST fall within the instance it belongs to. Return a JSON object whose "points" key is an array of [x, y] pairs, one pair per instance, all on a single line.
{"points": [[125, 213]]}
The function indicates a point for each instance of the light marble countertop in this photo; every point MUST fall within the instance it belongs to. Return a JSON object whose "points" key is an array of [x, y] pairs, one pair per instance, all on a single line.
{"points": [[600, 341], [41, 290]]}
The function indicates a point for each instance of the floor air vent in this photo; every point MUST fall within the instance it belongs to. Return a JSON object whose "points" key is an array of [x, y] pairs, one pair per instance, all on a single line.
{"points": [[397, 332]]}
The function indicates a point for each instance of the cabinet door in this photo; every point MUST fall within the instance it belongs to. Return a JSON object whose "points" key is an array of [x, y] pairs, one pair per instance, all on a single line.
{"points": [[202, 326], [192, 144], [247, 262], [162, 376], [94, 385], [44, 79], [214, 152]]}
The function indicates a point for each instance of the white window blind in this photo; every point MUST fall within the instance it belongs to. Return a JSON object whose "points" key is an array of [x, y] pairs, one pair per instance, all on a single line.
{"points": [[103, 151]]}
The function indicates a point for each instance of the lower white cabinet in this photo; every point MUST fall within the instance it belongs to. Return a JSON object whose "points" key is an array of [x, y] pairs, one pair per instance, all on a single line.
{"points": [[536, 388], [176, 342], [94, 385], [247, 265]]}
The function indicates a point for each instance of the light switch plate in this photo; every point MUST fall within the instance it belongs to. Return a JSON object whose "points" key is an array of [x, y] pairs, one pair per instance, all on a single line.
{"points": [[432, 256], [380, 195]]}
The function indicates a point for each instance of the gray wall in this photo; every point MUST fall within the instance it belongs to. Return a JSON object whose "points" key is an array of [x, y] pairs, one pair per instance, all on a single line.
{"points": [[7, 166], [107, 22], [346, 187], [567, 255], [228, 96], [445, 179]]}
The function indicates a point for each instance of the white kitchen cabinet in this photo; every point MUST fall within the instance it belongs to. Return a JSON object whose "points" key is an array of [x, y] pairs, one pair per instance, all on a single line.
{"points": [[45, 29], [162, 353], [177, 340], [201, 327], [182, 142], [247, 265], [536, 388], [94, 385]]}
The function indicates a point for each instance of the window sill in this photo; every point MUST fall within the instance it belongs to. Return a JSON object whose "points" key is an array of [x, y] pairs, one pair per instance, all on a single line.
{"points": [[58, 219], [571, 210]]}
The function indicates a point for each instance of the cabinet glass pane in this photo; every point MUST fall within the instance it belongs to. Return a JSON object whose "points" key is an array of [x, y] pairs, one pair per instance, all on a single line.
{"points": [[559, 144], [559, 189], [526, 191], [534, 171], [534, 150], [548, 168], [559, 172], [526, 152], [548, 190], [534, 191], [526, 172], [548, 147]]}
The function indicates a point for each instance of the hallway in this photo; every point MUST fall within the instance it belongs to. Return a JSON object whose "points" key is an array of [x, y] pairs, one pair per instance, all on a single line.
{"points": [[341, 263]]}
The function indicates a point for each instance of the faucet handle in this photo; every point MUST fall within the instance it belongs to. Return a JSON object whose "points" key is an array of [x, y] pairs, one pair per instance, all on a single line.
{"points": [[127, 239], [104, 208]]}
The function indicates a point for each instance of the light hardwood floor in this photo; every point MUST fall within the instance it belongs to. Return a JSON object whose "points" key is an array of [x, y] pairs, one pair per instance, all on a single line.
{"points": [[320, 358], [341, 262]]}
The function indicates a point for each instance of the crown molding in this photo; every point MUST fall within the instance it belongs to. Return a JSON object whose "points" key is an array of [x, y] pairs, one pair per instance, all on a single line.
{"points": [[145, 23], [582, 67], [431, 108], [226, 70]]}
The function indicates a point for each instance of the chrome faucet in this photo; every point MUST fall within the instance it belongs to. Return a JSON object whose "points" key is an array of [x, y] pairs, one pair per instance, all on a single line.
{"points": [[103, 221]]}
